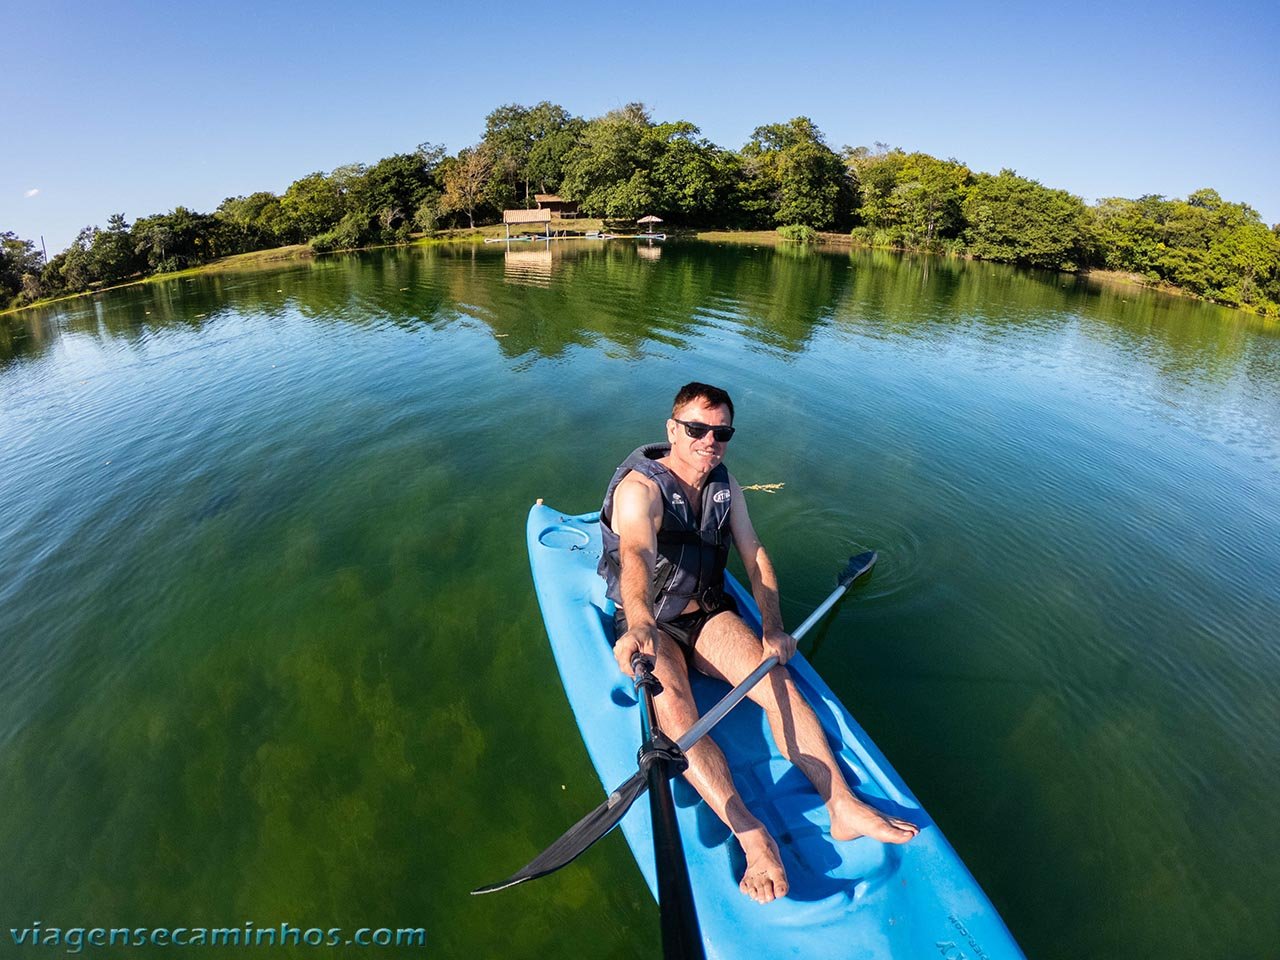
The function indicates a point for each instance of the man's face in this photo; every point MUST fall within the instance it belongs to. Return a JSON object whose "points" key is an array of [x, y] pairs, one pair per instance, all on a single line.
{"points": [[704, 452]]}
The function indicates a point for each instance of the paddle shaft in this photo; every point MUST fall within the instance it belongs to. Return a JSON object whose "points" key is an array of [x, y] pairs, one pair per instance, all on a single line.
{"points": [[735, 696], [681, 937]]}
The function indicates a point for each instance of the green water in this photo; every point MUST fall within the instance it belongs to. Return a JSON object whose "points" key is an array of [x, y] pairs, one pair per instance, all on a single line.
{"points": [[269, 651]]}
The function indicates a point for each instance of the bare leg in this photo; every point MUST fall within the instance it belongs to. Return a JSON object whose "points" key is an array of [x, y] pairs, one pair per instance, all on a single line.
{"points": [[729, 650], [708, 773]]}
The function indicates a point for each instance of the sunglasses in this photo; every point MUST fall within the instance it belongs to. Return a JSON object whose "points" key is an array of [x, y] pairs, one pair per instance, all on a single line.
{"points": [[699, 430]]}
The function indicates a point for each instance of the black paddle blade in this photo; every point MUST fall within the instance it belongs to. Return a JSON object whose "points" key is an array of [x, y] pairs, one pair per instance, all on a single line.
{"points": [[857, 567], [577, 838]]}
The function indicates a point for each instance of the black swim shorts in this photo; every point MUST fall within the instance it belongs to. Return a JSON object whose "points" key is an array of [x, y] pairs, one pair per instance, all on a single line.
{"points": [[684, 629]]}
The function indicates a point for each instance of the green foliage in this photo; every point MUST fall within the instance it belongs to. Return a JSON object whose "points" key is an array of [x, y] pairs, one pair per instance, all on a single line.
{"points": [[19, 260], [624, 164], [113, 256], [794, 177], [914, 197], [693, 179], [352, 231], [313, 204], [1216, 249], [607, 170], [394, 187], [179, 239], [429, 212], [528, 147], [1016, 220], [798, 232], [554, 134], [256, 221]]}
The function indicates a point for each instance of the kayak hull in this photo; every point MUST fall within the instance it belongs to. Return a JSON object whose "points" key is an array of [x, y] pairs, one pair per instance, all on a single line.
{"points": [[855, 899]]}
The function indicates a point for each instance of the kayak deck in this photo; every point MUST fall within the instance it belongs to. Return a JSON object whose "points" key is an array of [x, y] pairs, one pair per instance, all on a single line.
{"points": [[853, 899]]}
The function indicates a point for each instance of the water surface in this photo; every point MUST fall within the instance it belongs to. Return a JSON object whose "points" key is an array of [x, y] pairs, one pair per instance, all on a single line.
{"points": [[269, 650]]}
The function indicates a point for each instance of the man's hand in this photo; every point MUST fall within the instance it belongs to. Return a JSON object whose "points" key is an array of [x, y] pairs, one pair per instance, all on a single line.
{"points": [[639, 640], [780, 644]]}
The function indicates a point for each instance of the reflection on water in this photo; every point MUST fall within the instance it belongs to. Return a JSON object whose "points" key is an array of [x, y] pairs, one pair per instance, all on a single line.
{"points": [[268, 648], [534, 266], [603, 291]]}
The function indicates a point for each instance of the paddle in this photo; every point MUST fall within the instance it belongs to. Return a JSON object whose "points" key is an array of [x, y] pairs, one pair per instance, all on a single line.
{"points": [[661, 761], [605, 817]]}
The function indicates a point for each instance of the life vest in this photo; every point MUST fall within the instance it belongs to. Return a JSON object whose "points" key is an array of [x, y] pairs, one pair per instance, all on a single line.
{"points": [[691, 553]]}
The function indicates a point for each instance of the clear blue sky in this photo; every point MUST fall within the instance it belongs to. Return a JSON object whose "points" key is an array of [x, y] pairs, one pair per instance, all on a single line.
{"points": [[138, 107]]}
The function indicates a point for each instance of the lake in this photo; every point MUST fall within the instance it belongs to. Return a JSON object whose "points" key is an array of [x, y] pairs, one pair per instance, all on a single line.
{"points": [[269, 650]]}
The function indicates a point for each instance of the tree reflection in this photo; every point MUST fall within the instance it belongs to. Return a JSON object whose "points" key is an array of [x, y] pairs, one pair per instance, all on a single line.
{"points": [[539, 300]]}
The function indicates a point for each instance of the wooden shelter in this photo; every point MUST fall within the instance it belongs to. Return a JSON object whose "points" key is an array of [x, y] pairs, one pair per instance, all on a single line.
{"points": [[565, 209], [648, 222], [526, 216]]}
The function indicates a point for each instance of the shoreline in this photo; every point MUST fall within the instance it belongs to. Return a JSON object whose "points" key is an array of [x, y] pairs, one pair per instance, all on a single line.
{"points": [[275, 256], [1097, 275]]}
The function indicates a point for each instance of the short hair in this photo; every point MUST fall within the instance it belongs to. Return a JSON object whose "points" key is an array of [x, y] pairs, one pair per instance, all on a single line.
{"points": [[712, 396]]}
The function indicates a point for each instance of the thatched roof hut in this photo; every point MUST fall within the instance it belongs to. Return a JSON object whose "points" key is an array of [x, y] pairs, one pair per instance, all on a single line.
{"points": [[526, 216]]}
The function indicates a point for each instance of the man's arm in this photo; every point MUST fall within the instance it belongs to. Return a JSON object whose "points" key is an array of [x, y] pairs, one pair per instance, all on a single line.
{"points": [[637, 517], [764, 582]]}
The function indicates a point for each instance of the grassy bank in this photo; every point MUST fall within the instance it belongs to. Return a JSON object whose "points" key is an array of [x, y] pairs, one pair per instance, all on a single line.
{"points": [[256, 259]]}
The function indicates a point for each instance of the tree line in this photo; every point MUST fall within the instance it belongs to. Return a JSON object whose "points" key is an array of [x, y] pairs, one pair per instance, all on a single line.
{"points": [[624, 164]]}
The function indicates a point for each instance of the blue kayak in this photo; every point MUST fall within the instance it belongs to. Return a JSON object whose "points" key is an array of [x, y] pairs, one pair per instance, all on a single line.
{"points": [[853, 899]]}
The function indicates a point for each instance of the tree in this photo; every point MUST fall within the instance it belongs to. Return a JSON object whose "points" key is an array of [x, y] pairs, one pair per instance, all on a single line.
{"points": [[75, 264], [113, 256], [554, 131], [692, 177], [19, 260], [256, 221], [1016, 220], [313, 204], [393, 189], [875, 173], [528, 145], [1130, 233], [796, 176], [466, 182], [914, 199], [429, 212], [178, 239], [508, 140], [606, 172], [1212, 247]]}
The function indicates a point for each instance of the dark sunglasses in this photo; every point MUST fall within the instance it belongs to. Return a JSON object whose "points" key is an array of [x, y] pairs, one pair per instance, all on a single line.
{"points": [[699, 430]]}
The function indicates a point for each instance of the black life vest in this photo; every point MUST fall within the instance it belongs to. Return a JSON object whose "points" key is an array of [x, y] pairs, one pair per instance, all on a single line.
{"points": [[692, 551]]}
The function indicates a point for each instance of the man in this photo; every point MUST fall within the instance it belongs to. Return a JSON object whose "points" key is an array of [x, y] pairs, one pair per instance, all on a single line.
{"points": [[667, 521]]}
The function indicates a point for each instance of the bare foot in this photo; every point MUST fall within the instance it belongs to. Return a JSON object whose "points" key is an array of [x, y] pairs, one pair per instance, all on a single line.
{"points": [[852, 818], [765, 879]]}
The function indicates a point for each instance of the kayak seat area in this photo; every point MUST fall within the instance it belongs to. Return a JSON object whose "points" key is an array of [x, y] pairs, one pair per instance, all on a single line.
{"points": [[824, 874], [820, 869]]}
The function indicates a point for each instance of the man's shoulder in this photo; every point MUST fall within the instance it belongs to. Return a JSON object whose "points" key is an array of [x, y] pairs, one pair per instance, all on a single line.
{"points": [[636, 486], [636, 499]]}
